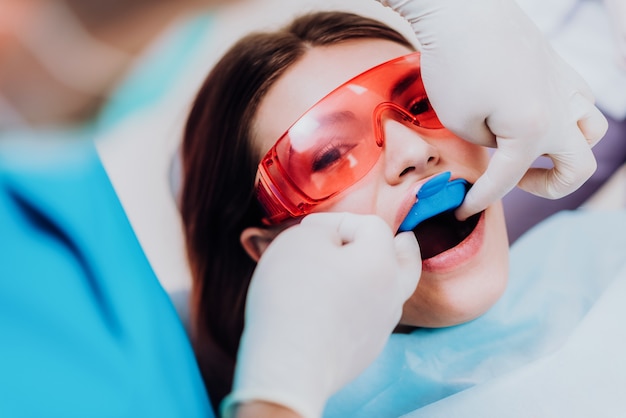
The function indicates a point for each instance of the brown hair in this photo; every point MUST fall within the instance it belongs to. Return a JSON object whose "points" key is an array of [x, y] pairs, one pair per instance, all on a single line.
{"points": [[219, 167]]}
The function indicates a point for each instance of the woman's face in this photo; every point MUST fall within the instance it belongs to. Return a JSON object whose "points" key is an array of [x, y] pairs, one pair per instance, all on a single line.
{"points": [[464, 280]]}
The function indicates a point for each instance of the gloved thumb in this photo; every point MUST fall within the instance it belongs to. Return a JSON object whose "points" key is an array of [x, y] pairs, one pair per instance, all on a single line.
{"points": [[409, 262], [506, 167], [591, 121]]}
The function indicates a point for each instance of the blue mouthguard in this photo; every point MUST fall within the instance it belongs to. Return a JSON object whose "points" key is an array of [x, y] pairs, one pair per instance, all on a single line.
{"points": [[436, 196]]}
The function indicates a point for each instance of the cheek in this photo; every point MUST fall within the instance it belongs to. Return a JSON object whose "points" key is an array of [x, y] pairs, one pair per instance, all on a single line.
{"points": [[465, 154], [361, 198], [369, 196]]}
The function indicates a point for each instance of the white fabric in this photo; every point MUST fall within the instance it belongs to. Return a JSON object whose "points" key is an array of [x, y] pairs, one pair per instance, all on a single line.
{"points": [[581, 32], [585, 378]]}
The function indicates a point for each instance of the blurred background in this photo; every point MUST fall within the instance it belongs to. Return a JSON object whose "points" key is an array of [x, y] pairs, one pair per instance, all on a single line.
{"points": [[123, 73], [72, 63], [62, 59]]}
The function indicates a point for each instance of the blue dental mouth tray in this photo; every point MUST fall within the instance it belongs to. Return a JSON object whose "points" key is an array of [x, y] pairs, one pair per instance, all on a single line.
{"points": [[436, 196]]}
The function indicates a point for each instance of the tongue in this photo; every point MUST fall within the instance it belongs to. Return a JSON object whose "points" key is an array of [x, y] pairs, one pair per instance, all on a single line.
{"points": [[442, 232]]}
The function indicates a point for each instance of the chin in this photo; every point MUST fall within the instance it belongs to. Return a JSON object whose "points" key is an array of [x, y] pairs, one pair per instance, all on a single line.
{"points": [[463, 277]]}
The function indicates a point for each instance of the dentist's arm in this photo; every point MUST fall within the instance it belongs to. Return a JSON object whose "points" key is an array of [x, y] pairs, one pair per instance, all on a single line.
{"points": [[323, 301], [494, 80]]}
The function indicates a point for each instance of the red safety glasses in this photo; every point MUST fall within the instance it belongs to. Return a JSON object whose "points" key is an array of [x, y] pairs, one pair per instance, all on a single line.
{"points": [[336, 142]]}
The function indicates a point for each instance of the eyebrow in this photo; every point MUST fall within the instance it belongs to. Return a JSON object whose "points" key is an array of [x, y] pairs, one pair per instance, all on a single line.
{"points": [[336, 117], [404, 83]]}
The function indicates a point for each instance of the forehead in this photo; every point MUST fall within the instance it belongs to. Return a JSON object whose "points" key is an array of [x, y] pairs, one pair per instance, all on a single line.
{"points": [[316, 74]]}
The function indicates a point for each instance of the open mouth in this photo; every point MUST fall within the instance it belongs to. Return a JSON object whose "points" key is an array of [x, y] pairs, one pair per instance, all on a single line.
{"points": [[443, 232]]}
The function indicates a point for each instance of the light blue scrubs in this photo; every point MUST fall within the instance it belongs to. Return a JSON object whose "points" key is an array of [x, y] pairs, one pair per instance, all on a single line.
{"points": [[86, 330]]}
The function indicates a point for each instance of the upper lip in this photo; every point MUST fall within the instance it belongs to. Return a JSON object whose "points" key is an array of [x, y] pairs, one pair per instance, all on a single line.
{"points": [[410, 199]]}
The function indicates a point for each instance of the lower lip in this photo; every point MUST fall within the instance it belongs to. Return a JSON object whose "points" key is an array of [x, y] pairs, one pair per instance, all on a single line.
{"points": [[461, 254]]}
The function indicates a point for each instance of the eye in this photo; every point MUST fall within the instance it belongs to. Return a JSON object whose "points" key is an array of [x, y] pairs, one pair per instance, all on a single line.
{"points": [[420, 106], [424, 114], [330, 155]]}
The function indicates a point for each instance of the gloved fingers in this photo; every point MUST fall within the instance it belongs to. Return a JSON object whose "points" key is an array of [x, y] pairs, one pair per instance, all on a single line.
{"points": [[365, 230], [572, 80], [591, 121], [571, 169], [400, 6], [509, 163], [329, 220], [352, 227], [506, 167], [409, 262]]}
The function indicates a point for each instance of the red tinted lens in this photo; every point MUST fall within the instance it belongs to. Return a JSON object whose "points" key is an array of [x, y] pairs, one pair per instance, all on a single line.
{"points": [[328, 150], [336, 142]]}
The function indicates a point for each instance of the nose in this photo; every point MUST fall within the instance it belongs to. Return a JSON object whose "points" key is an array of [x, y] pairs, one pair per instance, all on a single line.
{"points": [[407, 154]]}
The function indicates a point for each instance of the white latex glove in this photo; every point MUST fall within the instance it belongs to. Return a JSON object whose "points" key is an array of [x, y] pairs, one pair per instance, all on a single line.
{"points": [[617, 14], [494, 80], [322, 303]]}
